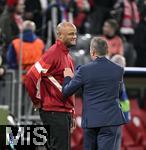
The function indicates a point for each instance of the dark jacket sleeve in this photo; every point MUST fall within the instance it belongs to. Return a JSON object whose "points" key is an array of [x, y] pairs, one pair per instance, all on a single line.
{"points": [[70, 86], [11, 57]]}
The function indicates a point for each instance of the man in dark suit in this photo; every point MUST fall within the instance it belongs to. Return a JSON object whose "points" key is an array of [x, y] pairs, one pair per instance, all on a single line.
{"points": [[100, 81]]}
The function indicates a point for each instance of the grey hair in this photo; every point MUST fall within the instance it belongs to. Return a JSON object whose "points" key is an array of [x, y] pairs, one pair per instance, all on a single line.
{"points": [[99, 45], [119, 60], [29, 25]]}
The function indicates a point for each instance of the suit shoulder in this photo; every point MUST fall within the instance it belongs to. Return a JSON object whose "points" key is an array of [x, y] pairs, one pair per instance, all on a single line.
{"points": [[86, 66], [115, 65]]}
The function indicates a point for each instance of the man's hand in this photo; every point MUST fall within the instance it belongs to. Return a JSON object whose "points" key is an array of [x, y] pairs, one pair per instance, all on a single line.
{"points": [[36, 106], [68, 72]]}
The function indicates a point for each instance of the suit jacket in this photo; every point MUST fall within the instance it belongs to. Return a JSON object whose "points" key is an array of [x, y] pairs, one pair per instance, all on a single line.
{"points": [[100, 81]]}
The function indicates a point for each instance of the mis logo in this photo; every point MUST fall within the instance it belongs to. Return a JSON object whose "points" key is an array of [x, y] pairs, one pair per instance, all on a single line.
{"points": [[25, 135], [11, 140]]}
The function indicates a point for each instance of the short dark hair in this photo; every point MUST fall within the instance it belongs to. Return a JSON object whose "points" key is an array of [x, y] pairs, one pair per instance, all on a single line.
{"points": [[100, 45], [113, 23]]}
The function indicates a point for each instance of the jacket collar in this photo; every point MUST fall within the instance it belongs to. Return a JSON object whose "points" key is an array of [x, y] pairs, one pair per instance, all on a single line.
{"points": [[29, 36], [62, 46], [100, 58]]}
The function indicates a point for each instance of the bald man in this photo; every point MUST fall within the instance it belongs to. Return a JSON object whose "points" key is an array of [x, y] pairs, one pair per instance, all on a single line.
{"points": [[44, 84]]}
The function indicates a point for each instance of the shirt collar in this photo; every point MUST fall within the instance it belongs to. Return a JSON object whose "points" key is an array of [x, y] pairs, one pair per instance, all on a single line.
{"points": [[62, 46]]}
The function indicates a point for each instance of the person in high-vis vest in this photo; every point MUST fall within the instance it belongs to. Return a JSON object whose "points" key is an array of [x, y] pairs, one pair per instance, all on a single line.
{"points": [[44, 84], [31, 46], [124, 101]]}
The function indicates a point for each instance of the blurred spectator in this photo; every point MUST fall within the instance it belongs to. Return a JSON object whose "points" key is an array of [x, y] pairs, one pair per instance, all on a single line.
{"points": [[124, 101], [100, 11], [141, 5], [32, 48], [66, 10], [11, 19], [110, 33], [35, 10], [79, 19], [139, 41], [2, 6], [130, 18], [117, 12], [130, 54], [2, 45]]}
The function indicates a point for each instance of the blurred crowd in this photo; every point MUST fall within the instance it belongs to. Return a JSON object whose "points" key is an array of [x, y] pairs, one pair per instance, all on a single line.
{"points": [[29, 26]]}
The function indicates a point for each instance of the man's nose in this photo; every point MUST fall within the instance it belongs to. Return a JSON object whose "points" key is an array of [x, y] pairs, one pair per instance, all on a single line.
{"points": [[75, 36]]}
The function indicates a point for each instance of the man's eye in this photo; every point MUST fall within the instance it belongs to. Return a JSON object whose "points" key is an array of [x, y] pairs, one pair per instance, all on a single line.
{"points": [[72, 34]]}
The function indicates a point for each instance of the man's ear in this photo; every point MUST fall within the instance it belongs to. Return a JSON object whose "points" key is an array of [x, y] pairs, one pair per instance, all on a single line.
{"points": [[59, 35], [94, 53]]}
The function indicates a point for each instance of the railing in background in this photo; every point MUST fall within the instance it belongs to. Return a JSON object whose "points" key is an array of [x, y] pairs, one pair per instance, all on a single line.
{"points": [[9, 88], [135, 79]]}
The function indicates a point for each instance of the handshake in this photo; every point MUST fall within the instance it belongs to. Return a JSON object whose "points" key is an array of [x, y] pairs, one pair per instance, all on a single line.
{"points": [[68, 72]]}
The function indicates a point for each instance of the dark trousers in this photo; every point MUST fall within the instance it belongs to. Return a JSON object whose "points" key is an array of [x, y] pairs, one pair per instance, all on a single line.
{"points": [[57, 125], [119, 139], [101, 138]]}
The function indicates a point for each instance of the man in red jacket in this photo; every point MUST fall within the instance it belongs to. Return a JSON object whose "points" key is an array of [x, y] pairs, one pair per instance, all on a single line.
{"points": [[44, 84]]}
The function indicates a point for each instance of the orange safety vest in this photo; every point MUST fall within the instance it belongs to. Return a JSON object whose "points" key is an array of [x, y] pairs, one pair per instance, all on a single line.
{"points": [[31, 52]]}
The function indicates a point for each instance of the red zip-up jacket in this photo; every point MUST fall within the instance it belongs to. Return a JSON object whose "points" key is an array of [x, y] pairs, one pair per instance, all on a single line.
{"points": [[41, 89]]}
